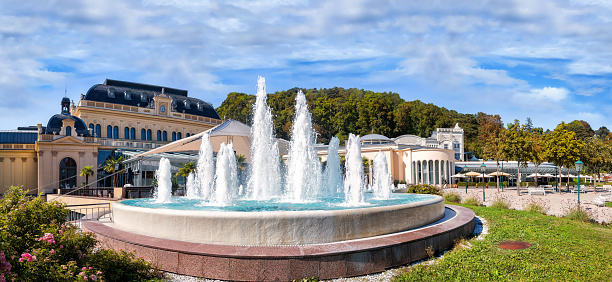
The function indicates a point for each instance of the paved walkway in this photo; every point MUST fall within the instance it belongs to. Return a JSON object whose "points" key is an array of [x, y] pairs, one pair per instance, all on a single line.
{"points": [[557, 202]]}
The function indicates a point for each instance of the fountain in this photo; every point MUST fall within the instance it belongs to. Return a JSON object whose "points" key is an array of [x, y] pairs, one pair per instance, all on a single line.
{"points": [[316, 224], [382, 178], [163, 193]]}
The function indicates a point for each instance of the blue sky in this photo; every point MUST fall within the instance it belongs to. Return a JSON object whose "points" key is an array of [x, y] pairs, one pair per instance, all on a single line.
{"points": [[548, 60]]}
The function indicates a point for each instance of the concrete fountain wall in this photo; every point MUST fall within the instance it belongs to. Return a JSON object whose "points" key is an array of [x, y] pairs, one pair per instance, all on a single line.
{"points": [[275, 227]]}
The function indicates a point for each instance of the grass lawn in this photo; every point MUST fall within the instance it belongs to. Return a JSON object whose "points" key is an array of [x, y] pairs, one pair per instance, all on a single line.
{"points": [[609, 204], [562, 250]]}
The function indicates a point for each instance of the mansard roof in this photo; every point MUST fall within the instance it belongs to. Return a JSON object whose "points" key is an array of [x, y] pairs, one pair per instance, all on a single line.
{"points": [[141, 95]]}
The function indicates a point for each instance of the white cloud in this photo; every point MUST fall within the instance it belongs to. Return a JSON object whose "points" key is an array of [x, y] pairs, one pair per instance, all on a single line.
{"points": [[546, 94]]}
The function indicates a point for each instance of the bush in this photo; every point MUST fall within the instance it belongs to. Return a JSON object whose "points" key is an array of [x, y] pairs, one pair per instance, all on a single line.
{"points": [[122, 266], [536, 206], [472, 184], [461, 184], [402, 182], [491, 184], [395, 182], [452, 197], [577, 213], [424, 189], [553, 183], [472, 201], [500, 202], [36, 244], [505, 183]]}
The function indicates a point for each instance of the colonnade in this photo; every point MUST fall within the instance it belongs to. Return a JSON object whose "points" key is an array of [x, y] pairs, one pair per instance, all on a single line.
{"points": [[434, 172]]}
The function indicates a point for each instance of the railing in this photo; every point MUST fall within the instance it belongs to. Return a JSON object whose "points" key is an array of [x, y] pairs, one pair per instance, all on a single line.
{"points": [[77, 212], [101, 192], [17, 146], [137, 192]]}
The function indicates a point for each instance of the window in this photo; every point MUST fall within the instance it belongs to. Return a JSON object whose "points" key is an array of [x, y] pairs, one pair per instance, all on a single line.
{"points": [[164, 136], [200, 106], [133, 133], [457, 146], [187, 135], [98, 130], [159, 135], [68, 131], [187, 104], [143, 97], [445, 146], [126, 133], [127, 94], [149, 134], [91, 126], [67, 173], [457, 156], [173, 136], [116, 132], [178, 136], [143, 134], [109, 132], [111, 92]]}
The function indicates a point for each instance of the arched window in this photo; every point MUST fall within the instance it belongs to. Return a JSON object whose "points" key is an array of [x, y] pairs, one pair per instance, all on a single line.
{"points": [[187, 135], [98, 131], [148, 134], [93, 131], [109, 132], [116, 132], [173, 136], [67, 173], [68, 131], [164, 136], [143, 134], [126, 133], [133, 133], [159, 135], [178, 136]]}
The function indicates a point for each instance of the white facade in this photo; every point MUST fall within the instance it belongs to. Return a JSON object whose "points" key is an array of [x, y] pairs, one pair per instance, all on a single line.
{"points": [[442, 138]]}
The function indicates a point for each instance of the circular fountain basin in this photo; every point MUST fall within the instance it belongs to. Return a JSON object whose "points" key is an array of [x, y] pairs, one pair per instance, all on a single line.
{"points": [[275, 228]]}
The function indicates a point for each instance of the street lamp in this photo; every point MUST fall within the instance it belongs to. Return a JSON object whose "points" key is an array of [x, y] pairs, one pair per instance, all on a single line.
{"points": [[558, 179], [482, 168], [466, 181], [579, 166]]}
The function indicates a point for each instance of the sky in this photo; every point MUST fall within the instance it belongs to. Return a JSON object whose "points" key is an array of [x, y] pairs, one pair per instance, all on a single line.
{"points": [[547, 60]]}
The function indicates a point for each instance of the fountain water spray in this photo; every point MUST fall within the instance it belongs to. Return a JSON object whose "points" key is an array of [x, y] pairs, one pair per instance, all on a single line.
{"points": [[304, 171], [264, 180], [191, 186], [226, 177], [163, 192], [354, 187], [332, 177], [382, 178], [205, 170]]}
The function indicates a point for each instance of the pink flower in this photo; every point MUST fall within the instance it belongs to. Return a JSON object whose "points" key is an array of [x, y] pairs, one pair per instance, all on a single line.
{"points": [[82, 274], [84, 268], [52, 251], [93, 277], [64, 266], [61, 247], [90, 268]]}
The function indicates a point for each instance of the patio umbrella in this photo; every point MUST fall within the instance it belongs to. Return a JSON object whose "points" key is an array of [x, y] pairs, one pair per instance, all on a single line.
{"points": [[486, 176], [458, 175], [534, 175], [499, 173], [472, 173]]}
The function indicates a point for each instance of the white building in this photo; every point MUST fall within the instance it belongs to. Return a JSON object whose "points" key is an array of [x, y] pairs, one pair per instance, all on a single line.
{"points": [[442, 138]]}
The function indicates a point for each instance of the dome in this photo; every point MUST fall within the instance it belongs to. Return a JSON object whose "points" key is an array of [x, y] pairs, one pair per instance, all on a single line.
{"points": [[56, 121], [375, 139]]}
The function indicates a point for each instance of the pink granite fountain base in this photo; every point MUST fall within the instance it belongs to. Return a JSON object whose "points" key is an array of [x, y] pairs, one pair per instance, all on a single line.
{"points": [[285, 263]]}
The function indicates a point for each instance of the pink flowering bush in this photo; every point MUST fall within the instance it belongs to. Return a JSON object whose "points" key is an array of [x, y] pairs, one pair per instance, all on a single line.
{"points": [[36, 244]]}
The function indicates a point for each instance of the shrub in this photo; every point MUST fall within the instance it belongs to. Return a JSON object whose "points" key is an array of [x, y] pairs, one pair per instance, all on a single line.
{"points": [[491, 184], [122, 266], [500, 202], [36, 244], [402, 182], [505, 183], [472, 201], [536, 206], [424, 189], [461, 184], [553, 183], [471, 183], [577, 213], [452, 197], [395, 182]]}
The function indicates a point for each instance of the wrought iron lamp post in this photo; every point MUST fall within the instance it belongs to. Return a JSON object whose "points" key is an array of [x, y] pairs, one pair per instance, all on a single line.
{"points": [[482, 168], [579, 166]]}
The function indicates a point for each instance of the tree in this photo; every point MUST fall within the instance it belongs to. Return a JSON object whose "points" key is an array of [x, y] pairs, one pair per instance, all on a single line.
{"points": [[87, 171], [562, 147], [517, 146], [241, 163], [111, 167], [581, 128], [595, 154], [186, 169], [602, 132]]}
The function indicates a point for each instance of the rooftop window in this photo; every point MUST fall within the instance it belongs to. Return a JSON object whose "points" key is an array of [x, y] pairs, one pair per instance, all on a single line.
{"points": [[187, 104], [143, 97], [128, 94], [111, 92], [200, 106]]}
